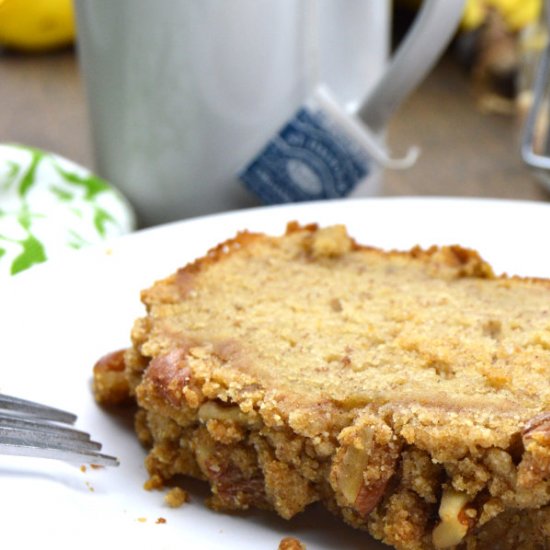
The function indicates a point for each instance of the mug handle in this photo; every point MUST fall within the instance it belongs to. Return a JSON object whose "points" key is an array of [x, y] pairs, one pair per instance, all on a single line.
{"points": [[424, 43]]}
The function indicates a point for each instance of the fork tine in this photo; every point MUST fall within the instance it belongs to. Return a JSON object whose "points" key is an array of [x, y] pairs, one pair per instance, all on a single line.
{"points": [[12, 422], [26, 444], [32, 429], [8, 403], [33, 437]]}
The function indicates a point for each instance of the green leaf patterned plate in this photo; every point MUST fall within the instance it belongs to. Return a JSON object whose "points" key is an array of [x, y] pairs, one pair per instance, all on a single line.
{"points": [[49, 204]]}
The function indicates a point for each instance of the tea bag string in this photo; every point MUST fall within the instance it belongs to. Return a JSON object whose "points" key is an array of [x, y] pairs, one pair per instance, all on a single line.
{"points": [[312, 44], [324, 100]]}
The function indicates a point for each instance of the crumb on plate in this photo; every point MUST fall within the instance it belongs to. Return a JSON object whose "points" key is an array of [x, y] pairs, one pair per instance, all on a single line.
{"points": [[176, 497], [291, 543]]}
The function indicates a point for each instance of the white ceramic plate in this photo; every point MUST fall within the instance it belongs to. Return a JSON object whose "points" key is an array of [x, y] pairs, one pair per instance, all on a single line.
{"points": [[58, 318]]}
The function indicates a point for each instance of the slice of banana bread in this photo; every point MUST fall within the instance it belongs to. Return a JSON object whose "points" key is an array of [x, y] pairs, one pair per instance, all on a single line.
{"points": [[407, 391]]}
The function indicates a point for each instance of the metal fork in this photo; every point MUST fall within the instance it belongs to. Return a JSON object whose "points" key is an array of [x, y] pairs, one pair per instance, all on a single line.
{"points": [[31, 429]]}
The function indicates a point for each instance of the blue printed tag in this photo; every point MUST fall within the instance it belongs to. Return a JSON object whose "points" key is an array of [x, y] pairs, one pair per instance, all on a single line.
{"points": [[310, 159]]}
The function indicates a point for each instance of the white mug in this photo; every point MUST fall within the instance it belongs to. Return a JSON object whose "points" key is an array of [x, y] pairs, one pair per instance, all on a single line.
{"points": [[184, 93]]}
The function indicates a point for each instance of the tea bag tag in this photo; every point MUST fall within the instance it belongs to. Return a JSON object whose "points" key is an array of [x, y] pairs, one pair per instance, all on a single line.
{"points": [[321, 153]]}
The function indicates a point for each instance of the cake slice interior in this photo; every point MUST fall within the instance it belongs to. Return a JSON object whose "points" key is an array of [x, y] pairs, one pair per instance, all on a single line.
{"points": [[406, 391]]}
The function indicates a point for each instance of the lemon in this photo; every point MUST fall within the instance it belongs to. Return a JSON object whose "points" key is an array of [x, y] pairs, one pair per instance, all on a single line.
{"points": [[516, 14], [36, 25]]}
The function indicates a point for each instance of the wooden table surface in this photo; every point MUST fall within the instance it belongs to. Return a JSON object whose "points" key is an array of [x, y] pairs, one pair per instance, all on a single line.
{"points": [[464, 152]]}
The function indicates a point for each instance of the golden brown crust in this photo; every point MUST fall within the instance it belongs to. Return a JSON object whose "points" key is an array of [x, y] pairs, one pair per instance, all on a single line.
{"points": [[407, 391], [110, 383]]}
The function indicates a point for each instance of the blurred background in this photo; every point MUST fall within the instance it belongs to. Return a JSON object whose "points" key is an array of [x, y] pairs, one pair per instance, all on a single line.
{"points": [[465, 116]]}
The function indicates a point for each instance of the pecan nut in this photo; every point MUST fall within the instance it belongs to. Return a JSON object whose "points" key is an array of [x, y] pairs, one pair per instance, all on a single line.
{"points": [[364, 464], [535, 464], [456, 519]]}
